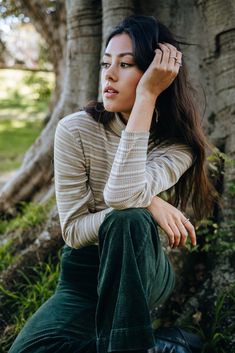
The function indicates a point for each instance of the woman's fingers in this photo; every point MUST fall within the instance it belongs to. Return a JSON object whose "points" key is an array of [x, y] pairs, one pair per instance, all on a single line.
{"points": [[173, 54], [170, 234], [191, 231], [165, 54], [178, 232], [184, 234], [171, 57], [158, 56], [173, 222], [179, 59], [161, 72]]}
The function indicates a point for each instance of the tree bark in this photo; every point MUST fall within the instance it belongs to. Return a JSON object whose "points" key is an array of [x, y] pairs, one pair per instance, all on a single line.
{"points": [[113, 13], [52, 27], [79, 86]]}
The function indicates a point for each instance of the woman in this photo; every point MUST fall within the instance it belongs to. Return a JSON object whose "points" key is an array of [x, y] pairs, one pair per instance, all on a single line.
{"points": [[111, 161]]}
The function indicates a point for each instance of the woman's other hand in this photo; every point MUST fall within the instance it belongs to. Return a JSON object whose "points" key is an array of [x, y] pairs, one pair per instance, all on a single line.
{"points": [[161, 72], [173, 222]]}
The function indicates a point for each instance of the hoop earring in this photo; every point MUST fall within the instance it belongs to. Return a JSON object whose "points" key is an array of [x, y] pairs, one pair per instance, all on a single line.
{"points": [[100, 112], [157, 115]]}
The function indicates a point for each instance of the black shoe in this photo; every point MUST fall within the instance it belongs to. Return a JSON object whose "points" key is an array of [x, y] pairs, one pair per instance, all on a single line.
{"points": [[176, 340]]}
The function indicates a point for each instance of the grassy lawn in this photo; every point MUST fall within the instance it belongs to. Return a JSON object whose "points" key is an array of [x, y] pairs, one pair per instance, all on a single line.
{"points": [[24, 98]]}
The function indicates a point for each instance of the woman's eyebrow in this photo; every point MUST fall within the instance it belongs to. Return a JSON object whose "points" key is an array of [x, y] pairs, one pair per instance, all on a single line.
{"points": [[120, 55]]}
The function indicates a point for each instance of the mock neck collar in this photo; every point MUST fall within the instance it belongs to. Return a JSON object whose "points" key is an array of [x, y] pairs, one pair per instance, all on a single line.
{"points": [[117, 125]]}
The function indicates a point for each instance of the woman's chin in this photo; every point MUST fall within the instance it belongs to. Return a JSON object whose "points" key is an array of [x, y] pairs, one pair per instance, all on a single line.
{"points": [[110, 108]]}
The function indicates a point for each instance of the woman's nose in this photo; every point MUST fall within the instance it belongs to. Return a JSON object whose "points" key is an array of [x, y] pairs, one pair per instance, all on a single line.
{"points": [[111, 74]]}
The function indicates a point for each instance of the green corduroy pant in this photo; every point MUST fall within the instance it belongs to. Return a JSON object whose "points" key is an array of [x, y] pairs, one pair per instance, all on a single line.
{"points": [[105, 293]]}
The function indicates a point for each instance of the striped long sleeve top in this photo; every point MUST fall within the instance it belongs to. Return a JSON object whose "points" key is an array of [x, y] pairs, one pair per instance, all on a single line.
{"points": [[100, 168]]}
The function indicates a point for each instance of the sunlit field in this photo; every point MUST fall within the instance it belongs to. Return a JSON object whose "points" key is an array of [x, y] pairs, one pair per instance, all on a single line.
{"points": [[24, 97]]}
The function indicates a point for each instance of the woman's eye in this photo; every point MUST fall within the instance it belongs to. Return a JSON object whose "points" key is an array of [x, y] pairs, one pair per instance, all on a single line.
{"points": [[104, 65], [126, 65]]}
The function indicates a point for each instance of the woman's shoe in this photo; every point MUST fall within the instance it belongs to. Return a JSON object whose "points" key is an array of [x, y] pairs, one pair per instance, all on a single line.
{"points": [[176, 340]]}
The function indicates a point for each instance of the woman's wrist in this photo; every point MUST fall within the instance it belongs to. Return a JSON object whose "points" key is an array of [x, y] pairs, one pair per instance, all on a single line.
{"points": [[147, 97], [151, 206], [141, 114]]}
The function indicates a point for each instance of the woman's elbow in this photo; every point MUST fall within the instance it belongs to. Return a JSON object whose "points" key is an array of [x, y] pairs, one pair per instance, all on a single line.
{"points": [[122, 203], [114, 203], [68, 236]]}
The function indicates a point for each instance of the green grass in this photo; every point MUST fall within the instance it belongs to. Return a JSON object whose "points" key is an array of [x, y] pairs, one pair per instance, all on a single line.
{"points": [[30, 295], [15, 138], [6, 255], [29, 215], [24, 98], [217, 336]]}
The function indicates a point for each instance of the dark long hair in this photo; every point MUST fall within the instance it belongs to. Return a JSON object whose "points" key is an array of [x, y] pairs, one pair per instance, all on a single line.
{"points": [[179, 118]]}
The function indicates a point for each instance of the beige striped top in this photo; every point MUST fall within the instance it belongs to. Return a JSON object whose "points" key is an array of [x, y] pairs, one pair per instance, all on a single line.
{"points": [[98, 169]]}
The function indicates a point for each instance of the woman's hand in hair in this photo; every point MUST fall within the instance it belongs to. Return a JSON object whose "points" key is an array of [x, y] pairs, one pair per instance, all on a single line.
{"points": [[161, 72], [172, 221]]}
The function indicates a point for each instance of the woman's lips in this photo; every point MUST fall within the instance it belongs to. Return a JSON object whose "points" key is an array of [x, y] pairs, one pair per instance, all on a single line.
{"points": [[110, 94]]}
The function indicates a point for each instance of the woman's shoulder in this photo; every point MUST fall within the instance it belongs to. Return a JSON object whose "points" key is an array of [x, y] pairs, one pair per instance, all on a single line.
{"points": [[78, 121]]}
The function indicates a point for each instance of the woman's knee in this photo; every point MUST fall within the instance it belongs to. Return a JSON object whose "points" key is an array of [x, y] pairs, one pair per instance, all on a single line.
{"points": [[130, 214], [136, 223]]}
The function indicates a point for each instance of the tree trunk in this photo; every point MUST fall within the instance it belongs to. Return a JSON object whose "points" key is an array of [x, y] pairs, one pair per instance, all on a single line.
{"points": [[80, 84], [51, 24], [113, 13], [212, 68]]}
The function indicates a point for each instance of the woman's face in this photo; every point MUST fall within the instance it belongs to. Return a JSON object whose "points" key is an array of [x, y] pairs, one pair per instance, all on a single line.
{"points": [[121, 73]]}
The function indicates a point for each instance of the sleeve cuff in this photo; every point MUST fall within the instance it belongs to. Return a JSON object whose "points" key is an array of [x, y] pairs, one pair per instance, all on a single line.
{"points": [[133, 135]]}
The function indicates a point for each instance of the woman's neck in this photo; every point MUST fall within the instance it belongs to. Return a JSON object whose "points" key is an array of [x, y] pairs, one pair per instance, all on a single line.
{"points": [[124, 117]]}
